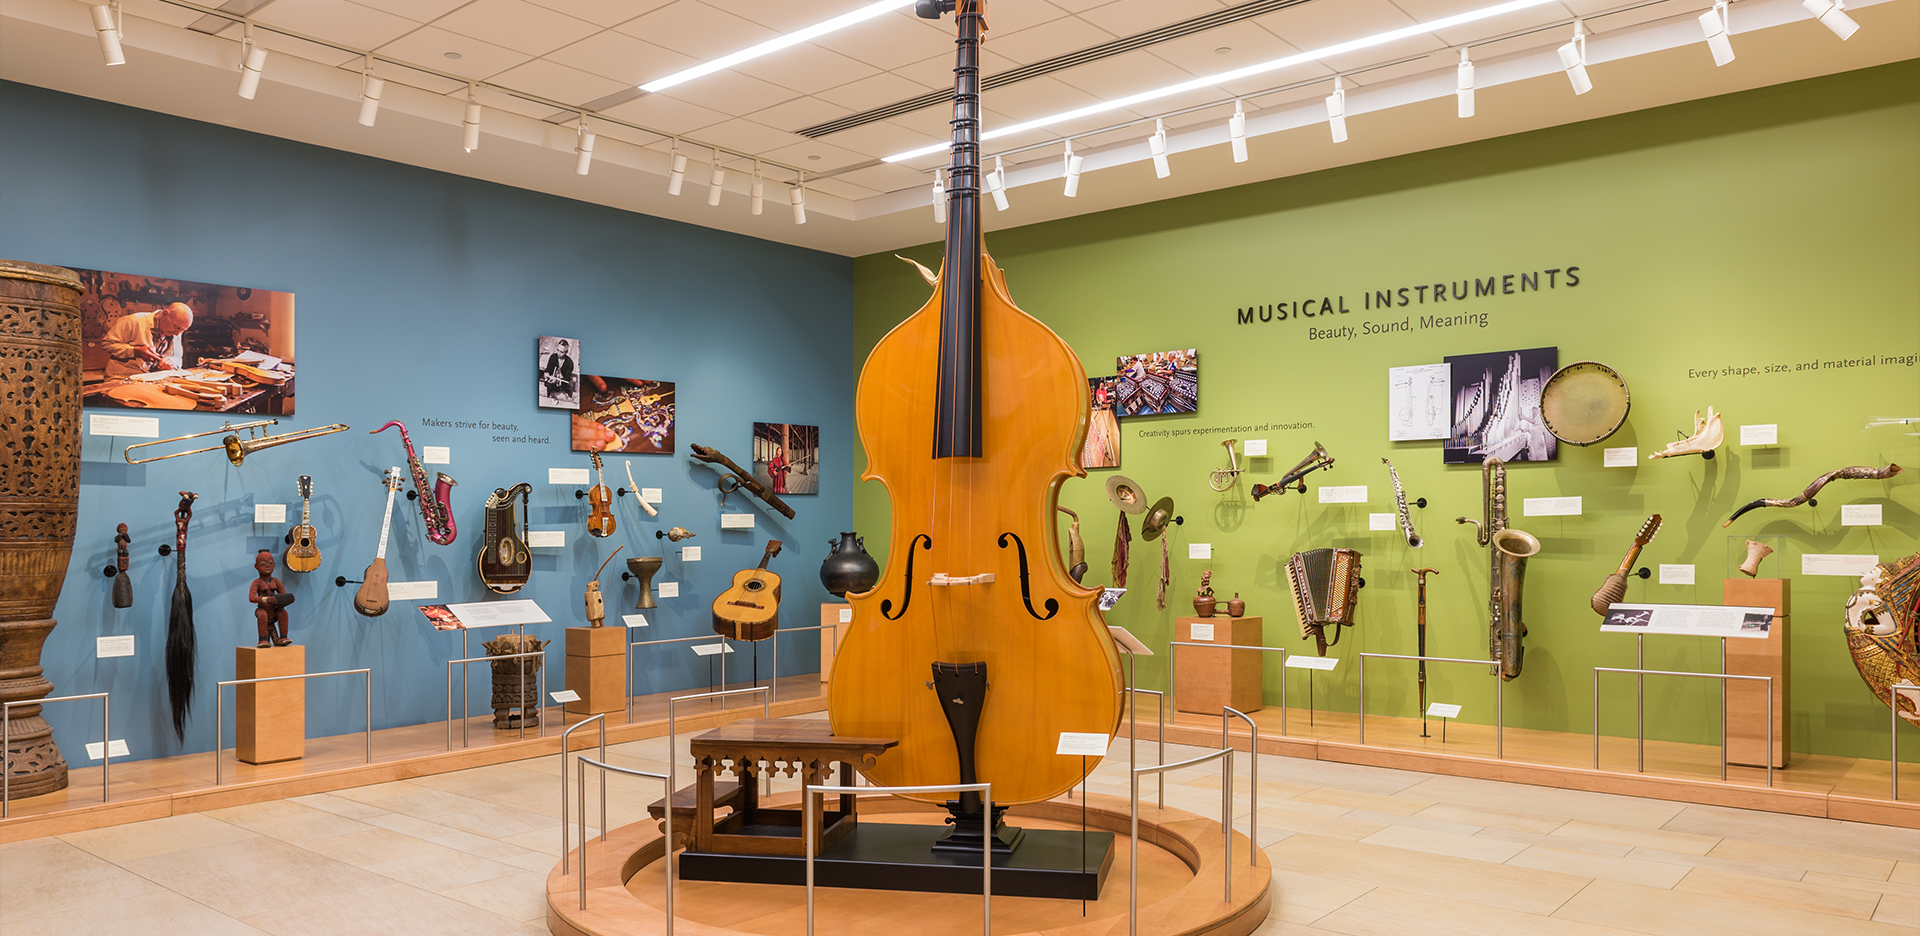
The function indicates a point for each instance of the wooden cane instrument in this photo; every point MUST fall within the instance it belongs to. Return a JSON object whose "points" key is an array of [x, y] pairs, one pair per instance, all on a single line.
{"points": [[750, 608], [972, 413], [371, 598], [1422, 650], [1615, 587]]}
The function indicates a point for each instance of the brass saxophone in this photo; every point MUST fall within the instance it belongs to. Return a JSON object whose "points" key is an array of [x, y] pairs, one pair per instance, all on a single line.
{"points": [[436, 511], [1507, 568]]}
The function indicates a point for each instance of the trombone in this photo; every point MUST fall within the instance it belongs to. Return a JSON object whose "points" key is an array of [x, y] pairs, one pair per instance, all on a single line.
{"points": [[237, 448]]}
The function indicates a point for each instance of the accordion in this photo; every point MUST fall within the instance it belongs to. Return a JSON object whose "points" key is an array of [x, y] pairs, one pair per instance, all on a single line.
{"points": [[1325, 583]]}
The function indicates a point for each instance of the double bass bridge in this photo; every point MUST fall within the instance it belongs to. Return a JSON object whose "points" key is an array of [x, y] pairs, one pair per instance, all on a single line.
{"points": [[942, 578]]}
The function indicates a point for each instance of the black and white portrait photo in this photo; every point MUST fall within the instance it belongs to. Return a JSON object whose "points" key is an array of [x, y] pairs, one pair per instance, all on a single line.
{"points": [[559, 363], [1496, 406]]}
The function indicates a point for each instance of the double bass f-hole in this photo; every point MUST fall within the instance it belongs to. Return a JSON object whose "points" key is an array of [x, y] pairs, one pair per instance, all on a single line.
{"points": [[1026, 596], [906, 597]]}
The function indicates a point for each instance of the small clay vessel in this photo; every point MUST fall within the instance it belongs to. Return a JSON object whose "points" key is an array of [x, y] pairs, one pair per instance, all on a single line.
{"points": [[1236, 607]]}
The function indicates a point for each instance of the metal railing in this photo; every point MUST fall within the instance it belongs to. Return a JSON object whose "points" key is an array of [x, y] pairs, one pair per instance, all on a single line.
{"points": [[1893, 730], [668, 640], [1173, 657], [1133, 813], [1133, 722], [466, 707], [1499, 695], [775, 679], [219, 716], [666, 842], [1227, 714], [808, 810], [1723, 711], [565, 845], [106, 743]]}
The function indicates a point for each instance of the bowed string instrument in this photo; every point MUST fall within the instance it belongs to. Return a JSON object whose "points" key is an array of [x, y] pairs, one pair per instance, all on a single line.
{"points": [[972, 413]]}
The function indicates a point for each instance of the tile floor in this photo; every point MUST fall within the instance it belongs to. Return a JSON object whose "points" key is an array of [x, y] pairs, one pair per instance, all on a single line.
{"points": [[1356, 850]]}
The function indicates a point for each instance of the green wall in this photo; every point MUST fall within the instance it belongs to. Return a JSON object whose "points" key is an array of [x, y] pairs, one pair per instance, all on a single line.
{"points": [[1773, 227]]}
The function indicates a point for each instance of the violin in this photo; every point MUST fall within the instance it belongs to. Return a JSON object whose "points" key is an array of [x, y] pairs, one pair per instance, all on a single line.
{"points": [[972, 414], [600, 522]]}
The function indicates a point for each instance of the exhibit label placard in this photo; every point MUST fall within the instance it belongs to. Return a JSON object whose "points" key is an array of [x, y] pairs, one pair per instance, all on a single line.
{"points": [[1343, 493], [1836, 564], [546, 539], [1768, 434], [1311, 662], [1688, 620], [707, 650], [1625, 457], [1202, 632], [269, 513], [413, 591], [1255, 448], [1551, 506], [565, 695], [499, 613], [1385, 521], [117, 747], [689, 554], [1443, 710], [1860, 515], [736, 521], [1676, 574], [121, 646], [569, 476], [1083, 744], [667, 589], [1199, 550], [634, 620], [436, 454], [137, 427]]}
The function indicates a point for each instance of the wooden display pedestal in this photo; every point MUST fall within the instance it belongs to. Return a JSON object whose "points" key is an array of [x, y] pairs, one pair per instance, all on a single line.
{"points": [[596, 664], [1205, 680], [270, 719], [1746, 699], [835, 631]]}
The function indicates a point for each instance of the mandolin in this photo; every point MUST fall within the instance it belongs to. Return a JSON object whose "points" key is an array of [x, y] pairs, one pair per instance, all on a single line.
{"points": [[371, 599], [972, 414], [600, 522], [503, 562], [303, 548], [750, 608]]}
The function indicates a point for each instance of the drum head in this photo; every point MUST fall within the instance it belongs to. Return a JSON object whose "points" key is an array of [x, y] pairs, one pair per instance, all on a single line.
{"points": [[1584, 403]]}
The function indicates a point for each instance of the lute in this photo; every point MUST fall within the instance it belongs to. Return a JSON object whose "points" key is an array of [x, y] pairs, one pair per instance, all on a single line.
{"points": [[303, 548], [371, 599], [600, 522], [750, 608]]}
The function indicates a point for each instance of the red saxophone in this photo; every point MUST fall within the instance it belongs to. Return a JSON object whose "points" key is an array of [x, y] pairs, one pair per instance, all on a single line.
{"points": [[435, 511]]}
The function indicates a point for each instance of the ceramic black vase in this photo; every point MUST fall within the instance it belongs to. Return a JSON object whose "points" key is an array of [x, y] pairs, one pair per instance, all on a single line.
{"points": [[848, 568]]}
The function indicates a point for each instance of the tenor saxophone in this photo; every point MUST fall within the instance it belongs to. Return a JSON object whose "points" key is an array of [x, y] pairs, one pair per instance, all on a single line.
{"points": [[435, 511], [1507, 555]]}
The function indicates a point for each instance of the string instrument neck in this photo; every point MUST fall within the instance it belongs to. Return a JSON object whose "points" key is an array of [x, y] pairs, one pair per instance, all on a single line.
{"points": [[957, 427]]}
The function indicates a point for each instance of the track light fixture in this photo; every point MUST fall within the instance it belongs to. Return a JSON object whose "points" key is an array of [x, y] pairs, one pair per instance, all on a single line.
{"points": [[939, 198], [798, 195], [107, 23], [1573, 57], [253, 60], [1337, 110], [1074, 162], [1463, 87], [1714, 23], [470, 124], [370, 90], [582, 147], [1157, 145], [759, 191], [679, 172], [997, 184], [1831, 14], [1237, 132], [716, 183]]}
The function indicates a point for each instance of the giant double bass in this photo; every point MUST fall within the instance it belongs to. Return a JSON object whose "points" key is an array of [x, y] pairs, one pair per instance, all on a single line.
{"points": [[975, 648]]}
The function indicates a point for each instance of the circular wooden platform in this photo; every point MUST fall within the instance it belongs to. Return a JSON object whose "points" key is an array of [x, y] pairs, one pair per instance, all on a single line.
{"points": [[1181, 886]]}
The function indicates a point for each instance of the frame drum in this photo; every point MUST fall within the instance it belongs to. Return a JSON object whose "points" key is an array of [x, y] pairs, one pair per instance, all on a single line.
{"points": [[1584, 403]]}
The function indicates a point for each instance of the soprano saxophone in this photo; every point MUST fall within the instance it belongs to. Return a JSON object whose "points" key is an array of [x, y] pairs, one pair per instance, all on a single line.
{"points": [[435, 511], [1507, 568]]}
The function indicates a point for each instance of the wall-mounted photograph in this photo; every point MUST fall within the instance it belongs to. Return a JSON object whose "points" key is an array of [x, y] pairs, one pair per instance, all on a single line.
{"points": [[149, 342], [1157, 384], [1102, 449], [559, 362], [621, 414], [1496, 406], [786, 457]]}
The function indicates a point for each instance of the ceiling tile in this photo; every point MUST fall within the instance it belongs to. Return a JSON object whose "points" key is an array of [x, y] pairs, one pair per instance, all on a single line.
{"points": [[694, 28], [888, 177], [872, 91], [1127, 17], [1124, 74], [1314, 26], [881, 138], [1005, 19], [665, 114], [339, 21], [401, 74], [517, 25], [558, 82], [420, 11], [842, 188], [890, 41], [491, 100], [1049, 39], [1246, 44], [806, 68], [748, 136], [831, 157], [277, 44], [731, 93], [1625, 18], [797, 113], [1036, 98], [603, 12], [478, 60], [158, 12], [621, 57], [1429, 10], [787, 17]]}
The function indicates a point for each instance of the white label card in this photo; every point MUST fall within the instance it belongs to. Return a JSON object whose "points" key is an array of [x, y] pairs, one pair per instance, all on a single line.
{"points": [[269, 513], [1385, 521], [1343, 494], [667, 589], [1443, 710], [117, 747], [711, 649], [565, 695], [1551, 506], [1311, 662], [1676, 574], [436, 455], [1817, 564], [651, 496], [104, 647], [1693, 620], [1199, 550], [1254, 448], [846, 615], [544, 539], [569, 476], [1083, 744], [413, 591], [736, 521], [139, 427], [1202, 632], [1768, 434], [1860, 515], [1620, 457], [499, 613], [689, 554], [634, 620]]}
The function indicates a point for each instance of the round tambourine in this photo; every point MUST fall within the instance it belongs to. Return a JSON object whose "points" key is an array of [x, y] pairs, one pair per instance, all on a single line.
{"points": [[1584, 402]]}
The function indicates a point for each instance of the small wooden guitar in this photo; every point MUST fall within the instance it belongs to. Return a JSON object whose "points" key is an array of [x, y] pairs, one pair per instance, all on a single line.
{"points": [[750, 608], [371, 599], [600, 522], [303, 549]]}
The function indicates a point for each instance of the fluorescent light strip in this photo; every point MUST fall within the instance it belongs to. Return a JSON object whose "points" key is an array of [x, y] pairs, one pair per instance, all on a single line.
{"points": [[773, 45], [1395, 35]]}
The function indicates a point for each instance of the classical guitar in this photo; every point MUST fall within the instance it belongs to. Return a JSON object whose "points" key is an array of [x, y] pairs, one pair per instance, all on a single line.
{"points": [[303, 548], [371, 599], [504, 563], [750, 608], [600, 522]]}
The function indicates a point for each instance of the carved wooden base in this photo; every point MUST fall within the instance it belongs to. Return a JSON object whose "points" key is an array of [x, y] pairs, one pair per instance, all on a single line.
{"points": [[33, 763]]}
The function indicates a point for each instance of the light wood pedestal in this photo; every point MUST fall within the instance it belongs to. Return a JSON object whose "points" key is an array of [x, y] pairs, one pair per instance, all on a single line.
{"points": [[596, 665], [1746, 699], [835, 631], [1205, 680], [270, 719]]}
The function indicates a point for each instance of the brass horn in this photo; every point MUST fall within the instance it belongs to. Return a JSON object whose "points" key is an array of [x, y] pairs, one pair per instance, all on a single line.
{"points": [[1315, 460], [237, 449]]}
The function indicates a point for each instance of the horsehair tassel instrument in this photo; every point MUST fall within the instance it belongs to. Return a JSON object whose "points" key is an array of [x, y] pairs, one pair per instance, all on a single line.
{"points": [[1507, 552], [237, 449], [1615, 587], [1400, 501], [1855, 473], [181, 640], [745, 478], [1122, 549], [1422, 651], [436, 511], [1315, 460]]}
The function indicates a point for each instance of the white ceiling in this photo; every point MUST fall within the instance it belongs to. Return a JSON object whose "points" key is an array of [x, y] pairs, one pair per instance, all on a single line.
{"points": [[578, 52]]}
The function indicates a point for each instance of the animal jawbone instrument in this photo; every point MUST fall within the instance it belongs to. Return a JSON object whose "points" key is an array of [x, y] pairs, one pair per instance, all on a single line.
{"points": [[972, 414], [436, 511], [1855, 473], [1883, 633], [1507, 553], [1707, 436]]}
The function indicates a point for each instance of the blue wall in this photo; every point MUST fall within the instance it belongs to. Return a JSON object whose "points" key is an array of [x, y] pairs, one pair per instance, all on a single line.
{"points": [[419, 295]]}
